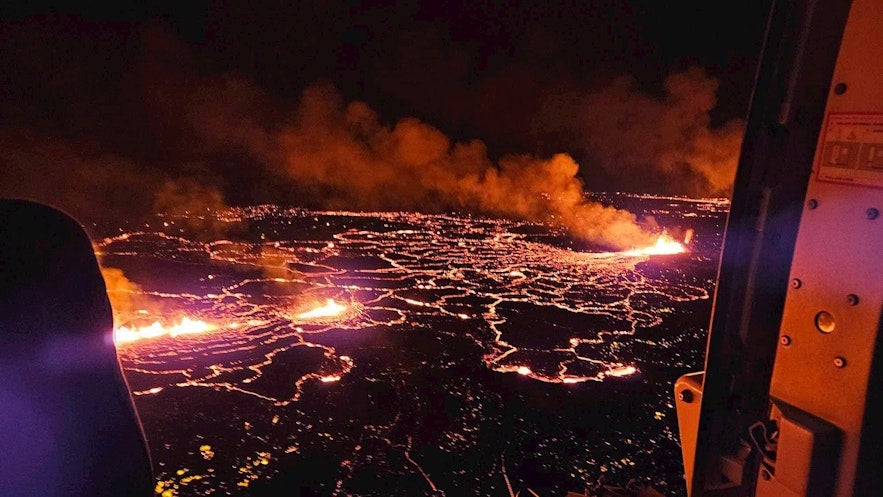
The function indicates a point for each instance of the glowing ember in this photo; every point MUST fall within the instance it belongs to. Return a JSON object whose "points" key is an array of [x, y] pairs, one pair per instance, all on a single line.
{"points": [[329, 378], [331, 308], [665, 245], [523, 370], [127, 334]]}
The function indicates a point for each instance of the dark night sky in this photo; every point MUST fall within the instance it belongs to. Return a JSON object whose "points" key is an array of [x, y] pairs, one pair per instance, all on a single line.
{"points": [[90, 84]]}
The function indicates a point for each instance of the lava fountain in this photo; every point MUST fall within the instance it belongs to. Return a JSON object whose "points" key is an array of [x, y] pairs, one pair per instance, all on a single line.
{"points": [[186, 326], [330, 309], [665, 245]]}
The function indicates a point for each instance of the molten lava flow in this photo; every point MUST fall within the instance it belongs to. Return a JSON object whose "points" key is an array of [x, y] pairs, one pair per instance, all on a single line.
{"points": [[665, 245], [331, 308], [620, 370], [127, 334]]}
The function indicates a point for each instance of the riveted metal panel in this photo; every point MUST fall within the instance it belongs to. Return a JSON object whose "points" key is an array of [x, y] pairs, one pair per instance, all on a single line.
{"points": [[833, 307]]}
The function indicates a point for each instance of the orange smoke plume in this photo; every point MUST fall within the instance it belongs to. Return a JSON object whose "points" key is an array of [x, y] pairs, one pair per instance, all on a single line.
{"points": [[83, 180], [633, 134], [196, 203], [358, 162], [125, 296], [93, 184]]}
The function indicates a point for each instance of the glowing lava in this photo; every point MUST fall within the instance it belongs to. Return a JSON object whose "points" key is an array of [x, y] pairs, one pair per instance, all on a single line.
{"points": [[665, 245], [622, 371], [391, 284], [330, 309], [187, 326]]}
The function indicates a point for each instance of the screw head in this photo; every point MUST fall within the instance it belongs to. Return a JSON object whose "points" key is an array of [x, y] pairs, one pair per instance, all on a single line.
{"points": [[839, 362], [840, 88], [872, 213], [765, 474], [785, 340], [852, 299], [812, 203], [796, 283], [685, 396]]}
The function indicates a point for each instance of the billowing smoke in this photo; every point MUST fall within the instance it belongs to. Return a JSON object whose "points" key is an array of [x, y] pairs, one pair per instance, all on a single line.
{"points": [[196, 204], [633, 134], [81, 179], [125, 296], [192, 136], [355, 161], [94, 185]]}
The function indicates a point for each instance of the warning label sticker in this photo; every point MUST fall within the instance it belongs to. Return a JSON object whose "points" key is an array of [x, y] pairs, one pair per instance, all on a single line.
{"points": [[852, 149]]}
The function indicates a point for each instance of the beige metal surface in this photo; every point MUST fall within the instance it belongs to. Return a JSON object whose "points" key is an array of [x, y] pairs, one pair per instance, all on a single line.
{"points": [[688, 399], [833, 309], [796, 443]]}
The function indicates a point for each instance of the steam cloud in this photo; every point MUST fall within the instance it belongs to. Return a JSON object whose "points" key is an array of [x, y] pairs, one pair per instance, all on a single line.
{"points": [[358, 162]]}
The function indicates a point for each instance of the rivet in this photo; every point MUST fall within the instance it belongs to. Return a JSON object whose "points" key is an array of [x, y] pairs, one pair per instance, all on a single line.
{"points": [[796, 283], [852, 299], [872, 213], [812, 203], [839, 362], [840, 88], [785, 340], [685, 396], [765, 474]]}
